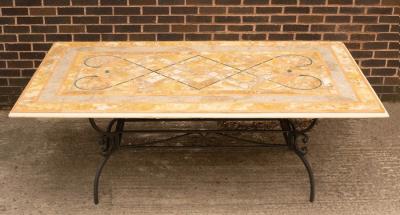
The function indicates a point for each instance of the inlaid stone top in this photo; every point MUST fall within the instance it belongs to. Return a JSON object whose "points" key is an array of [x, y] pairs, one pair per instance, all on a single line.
{"points": [[198, 80]]}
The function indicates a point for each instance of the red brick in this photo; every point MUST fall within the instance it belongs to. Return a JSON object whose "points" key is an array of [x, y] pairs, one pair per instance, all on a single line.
{"points": [[325, 10], [16, 29], [7, 21], [199, 2], [226, 36], [32, 55], [268, 28], [142, 2], [99, 10], [18, 46], [365, 19], [297, 28], [367, 2], [255, 19], [362, 54], [8, 55], [156, 28], [227, 19], [373, 63], [114, 37], [281, 36], [349, 28], [380, 10], [337, 19], [340, 2], [352, 10], [376, 28], [57, 20], [241, 10], [252, 2], [312, 2], [14, 11], [70, 11], [335, 36], [197, 37], [86, 20], [310, 19], [42, 11], [58, 37], [155, 10], [283, 19], [99, 28], [30, 20], [183, 10], [126, 10], [388, 36], [297, 10], [170, 37], [142, 37], [254, 36], [171, 19], [198, 19], [269, 10], [114, 19], [84, 2], [28, 2], [86, 37], [72, 28], [308, 36], [383, 72], [184, 28], [386, 54], [212, 28], [362, 37], [285, 2], [228, 2], [8, 38], [142, 19], [113, 2], [240, 28], [44, 29], [31, 37], [19, 64], [171, 2], [56, 2], [375, 45], [212, 10]]}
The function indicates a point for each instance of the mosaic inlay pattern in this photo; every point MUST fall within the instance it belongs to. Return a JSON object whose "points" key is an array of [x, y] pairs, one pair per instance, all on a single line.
{"points": [[197, 77]]}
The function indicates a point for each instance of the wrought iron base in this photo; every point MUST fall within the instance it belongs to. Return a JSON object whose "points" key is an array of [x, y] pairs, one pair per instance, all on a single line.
{"points": [[296, 139]]}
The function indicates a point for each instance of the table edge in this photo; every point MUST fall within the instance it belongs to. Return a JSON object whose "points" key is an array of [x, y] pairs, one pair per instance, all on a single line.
{"points": [[200, 115]]}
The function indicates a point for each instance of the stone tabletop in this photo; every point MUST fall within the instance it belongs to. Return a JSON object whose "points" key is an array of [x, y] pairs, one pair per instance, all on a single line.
{"points": [[198, 80]]}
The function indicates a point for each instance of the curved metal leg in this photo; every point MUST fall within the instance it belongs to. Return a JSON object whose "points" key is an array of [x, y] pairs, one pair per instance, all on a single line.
{"points": [[109, 142], [97, 178], [291, 135], [310, 174]]}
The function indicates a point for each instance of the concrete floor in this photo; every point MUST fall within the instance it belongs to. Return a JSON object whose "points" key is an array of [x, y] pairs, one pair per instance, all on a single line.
{"points": [[47, 167]]}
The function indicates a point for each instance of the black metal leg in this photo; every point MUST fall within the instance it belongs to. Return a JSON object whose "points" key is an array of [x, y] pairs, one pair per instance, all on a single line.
{"points": [[310, 174], [109, 142], [97, 178], [291, 137]]}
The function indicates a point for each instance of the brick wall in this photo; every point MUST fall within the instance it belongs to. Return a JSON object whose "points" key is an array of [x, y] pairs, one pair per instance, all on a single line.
{"points": [[370, 29]]}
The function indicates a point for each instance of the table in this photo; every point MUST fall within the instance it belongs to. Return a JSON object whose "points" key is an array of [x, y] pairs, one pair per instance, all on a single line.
{"points": [[199, 81]]}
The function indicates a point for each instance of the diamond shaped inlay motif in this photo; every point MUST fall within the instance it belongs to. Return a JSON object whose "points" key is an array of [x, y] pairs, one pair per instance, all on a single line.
{"points": [[198, 72]]}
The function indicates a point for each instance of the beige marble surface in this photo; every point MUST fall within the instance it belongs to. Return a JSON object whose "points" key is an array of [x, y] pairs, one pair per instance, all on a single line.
{"points": [[198, 80]]}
